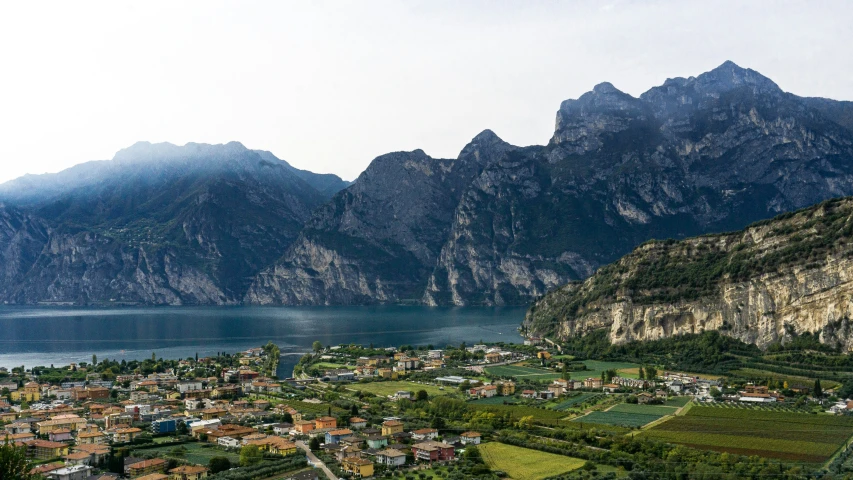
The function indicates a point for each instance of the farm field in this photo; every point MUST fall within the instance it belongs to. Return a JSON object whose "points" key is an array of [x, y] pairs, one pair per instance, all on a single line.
{"points": [[392, 387], [594, 369], [198, 453], [575, 400], [526, 464], [661, 410], [619, 419], [678, 401], [798, 437], [791, 379], [522, 372], [518, 411], [494, 401]]}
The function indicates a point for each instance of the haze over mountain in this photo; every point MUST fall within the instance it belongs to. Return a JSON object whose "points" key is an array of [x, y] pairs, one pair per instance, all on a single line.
{"points": [[157, 224], [499, 224]]}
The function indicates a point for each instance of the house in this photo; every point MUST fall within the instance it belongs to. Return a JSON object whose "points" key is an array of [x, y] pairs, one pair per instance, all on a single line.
{"points": [[228, 430], [401, 395], [357, 423], [493, 357], [408, 363], [486, 391], [45, 449], [644, 398], [470, 438], [97, 453], [756, 397], [72, 472], [357, 466], [543, 355], [335, 435], [228, 442], [592, 383], [506, 388], [78, 458], [91, 438], [144, 467], [30, 392], [425, 434], [60, 435], [545, 395], [188, 472], [325, 422], [184, 387], [432, 451], [387, 373], [282, 428], [391, 457], [60, 422], [126, 435], [303, 426], [610, 387], [274, 445], [390, 427], [377, 441], [528, 394], [556, 389]]}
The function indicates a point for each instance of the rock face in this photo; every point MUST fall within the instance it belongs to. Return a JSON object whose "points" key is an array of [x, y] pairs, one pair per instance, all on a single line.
{"points": [[158, 224], [766, 284], [504, 224]]}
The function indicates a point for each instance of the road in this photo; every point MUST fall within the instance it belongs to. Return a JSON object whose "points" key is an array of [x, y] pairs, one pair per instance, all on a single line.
{"points": [[313, 460]]}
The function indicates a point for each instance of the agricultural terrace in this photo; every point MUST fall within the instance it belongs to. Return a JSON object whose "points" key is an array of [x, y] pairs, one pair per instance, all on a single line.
{"points": [[392, 387], [594, 369], [526, 464], [796, 437]]}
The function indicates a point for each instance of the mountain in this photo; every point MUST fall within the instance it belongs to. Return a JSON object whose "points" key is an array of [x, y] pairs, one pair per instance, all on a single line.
{"points": [[157, 224], [769, 283], [504, 225]]}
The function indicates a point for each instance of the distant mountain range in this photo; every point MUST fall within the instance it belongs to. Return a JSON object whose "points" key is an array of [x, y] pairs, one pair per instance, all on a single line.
{"points": [[500, 224]]}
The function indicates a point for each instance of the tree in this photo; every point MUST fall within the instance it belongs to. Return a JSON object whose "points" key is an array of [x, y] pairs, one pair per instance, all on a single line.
{"points": [[314, 444], [13, 463], [642, 374], [183, 429], [421, 395], [317, 346], [818, 392], [218, 464], [651, 373], [196, 359], [153, 357], [250, 455], [716, 393], [354, 410], [94, 359]]}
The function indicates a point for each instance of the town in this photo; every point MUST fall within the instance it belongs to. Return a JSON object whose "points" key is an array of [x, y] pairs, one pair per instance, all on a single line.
{"points": [[478, 411]]}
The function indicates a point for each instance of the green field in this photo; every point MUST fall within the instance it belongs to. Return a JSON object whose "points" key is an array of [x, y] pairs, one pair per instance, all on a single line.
{"points": [[392, 387], [197, 453], [576, 400], [594, 369], [518, 411], [789, 436], [660, 410], [678, 401], [526, 464], [522, 372], [494, 401], [619, 419]]}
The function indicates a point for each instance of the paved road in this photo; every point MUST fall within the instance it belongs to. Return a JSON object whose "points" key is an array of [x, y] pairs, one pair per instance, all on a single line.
{"points": [[313, 460]]}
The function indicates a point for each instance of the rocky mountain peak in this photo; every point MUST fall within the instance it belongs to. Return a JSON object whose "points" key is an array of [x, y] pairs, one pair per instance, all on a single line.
{"points": [[148, 152], [605, 109], [729, 76]]}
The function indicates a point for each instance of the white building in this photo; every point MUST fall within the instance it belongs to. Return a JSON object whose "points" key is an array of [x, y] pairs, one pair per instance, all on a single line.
{"points": [[391, 457]]}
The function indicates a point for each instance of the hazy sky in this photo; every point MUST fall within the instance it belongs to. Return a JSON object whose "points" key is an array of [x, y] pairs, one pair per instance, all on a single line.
{"points": [[328, 86]]}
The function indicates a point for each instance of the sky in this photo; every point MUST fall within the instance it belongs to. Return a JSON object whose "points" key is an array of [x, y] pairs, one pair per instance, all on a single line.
{"points": [[328, 86]]}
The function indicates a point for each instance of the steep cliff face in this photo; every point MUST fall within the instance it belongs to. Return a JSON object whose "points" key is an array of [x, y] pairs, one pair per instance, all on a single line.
{"points": [[378, 240], [695, 155], [158, 224], [766, 284]]}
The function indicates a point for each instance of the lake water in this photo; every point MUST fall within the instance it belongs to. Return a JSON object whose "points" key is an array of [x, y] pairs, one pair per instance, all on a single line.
{"points": [[34, 336]]}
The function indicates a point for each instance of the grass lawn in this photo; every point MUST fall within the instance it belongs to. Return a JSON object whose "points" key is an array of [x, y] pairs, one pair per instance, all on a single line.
{"points": [[526, 464], [392, 387], [197, 453], [797, 437]]}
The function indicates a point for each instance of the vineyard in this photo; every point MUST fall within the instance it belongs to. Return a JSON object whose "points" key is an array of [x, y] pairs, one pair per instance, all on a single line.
{"points": [[777, 434], [659, 410], [619, 419]]}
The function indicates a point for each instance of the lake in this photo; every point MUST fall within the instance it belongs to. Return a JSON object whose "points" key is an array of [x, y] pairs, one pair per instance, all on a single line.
{"points": [[33, 336]]}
